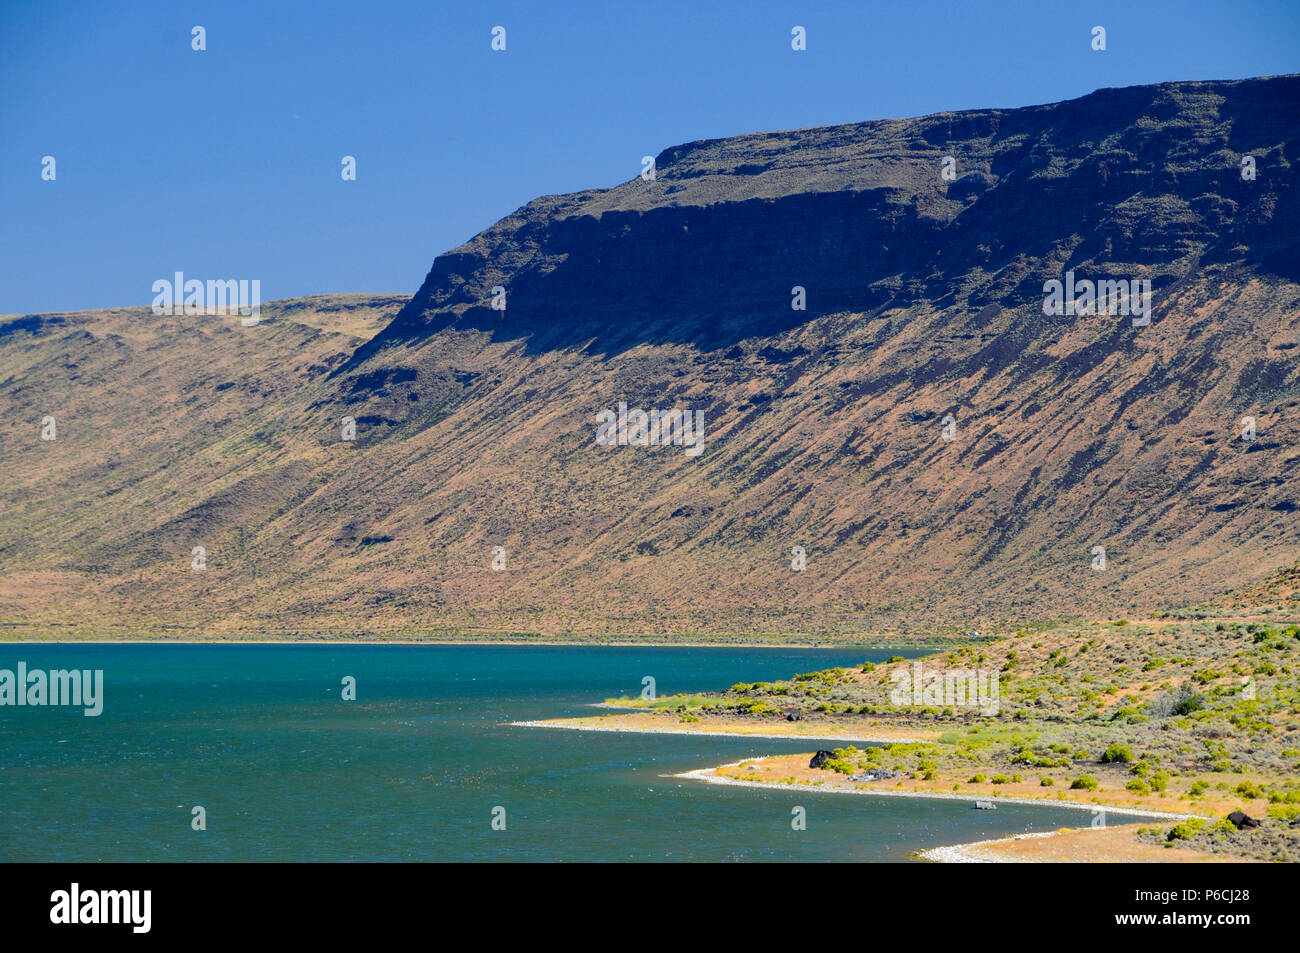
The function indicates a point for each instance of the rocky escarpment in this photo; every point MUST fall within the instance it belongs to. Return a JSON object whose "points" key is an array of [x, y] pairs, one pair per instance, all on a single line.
{"points": [[1141, 179], [921, 446]]}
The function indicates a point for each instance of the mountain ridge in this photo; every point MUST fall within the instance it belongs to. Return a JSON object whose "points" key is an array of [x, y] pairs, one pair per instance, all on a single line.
{"points": [[823, 427]]}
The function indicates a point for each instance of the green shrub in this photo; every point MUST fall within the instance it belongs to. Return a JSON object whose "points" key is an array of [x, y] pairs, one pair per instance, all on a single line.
{"points": [[978, 778], [1186, 830], [1117, 753], [1083, 783], [1284, 812], [1138, 786], [838, 764], [1045, 782], [1189, 702]]}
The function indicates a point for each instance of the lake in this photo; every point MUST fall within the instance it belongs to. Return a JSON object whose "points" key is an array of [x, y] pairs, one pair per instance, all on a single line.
{"points": [[411, 771]]}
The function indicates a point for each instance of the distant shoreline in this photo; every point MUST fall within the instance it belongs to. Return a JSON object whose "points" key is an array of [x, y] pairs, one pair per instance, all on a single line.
{"points": [[564, 643]]}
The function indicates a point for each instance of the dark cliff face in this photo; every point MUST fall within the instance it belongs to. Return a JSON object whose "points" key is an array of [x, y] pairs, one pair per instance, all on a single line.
{"points": [[1144, 181]]}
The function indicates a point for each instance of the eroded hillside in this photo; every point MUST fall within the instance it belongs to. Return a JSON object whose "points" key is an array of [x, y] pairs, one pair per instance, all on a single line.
{"points": [[824, 428]]}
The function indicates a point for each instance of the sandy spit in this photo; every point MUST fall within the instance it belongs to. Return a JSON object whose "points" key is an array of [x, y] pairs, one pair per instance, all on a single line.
{"points": [[707, 775], [706, 734]]}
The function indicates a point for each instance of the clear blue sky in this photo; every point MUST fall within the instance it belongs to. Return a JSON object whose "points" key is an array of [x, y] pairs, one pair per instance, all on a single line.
{"points": [[225, 163]]}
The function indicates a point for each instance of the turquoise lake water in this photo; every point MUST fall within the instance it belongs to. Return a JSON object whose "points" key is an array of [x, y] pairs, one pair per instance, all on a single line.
{"points": [[412, 769]]}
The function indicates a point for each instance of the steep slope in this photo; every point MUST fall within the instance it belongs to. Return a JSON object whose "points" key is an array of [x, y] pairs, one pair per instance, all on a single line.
{"points": [[169, 433], [823, 428]]}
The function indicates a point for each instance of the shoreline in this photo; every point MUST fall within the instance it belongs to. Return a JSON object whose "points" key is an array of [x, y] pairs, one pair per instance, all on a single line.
{"points": [[704, 733], [1070, 845], [561, 643], [708, 776], [965, 853]]}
